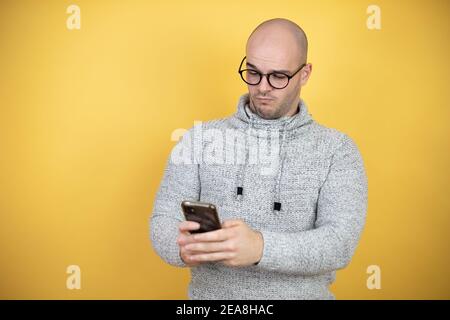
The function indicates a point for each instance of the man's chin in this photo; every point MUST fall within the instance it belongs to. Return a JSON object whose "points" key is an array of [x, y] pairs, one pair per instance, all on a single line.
{"points": [[266, 112], [265, 109]]}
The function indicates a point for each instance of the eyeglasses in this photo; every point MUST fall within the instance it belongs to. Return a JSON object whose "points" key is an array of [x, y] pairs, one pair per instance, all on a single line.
{"points": [[278, 80]]}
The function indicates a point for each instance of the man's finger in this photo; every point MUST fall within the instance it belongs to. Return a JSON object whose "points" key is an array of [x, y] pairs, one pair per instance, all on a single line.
{"points": [[212, 236], [186, 257], [216, 256], [232, 223], [188, 226], [209, 247], [185, 238]]}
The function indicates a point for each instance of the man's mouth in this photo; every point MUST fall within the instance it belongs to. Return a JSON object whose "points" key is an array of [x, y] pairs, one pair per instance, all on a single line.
{"points": [[264, 99]]}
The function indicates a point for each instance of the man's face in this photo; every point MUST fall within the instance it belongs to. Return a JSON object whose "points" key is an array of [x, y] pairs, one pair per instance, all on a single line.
{"points": [[266, 101]]}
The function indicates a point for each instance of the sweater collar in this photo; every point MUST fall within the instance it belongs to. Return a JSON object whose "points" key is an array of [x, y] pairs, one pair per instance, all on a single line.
{"points": [[245, 118], [244, 115]]}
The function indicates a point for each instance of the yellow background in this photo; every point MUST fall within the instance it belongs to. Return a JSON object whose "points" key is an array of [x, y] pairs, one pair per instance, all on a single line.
{"points": [[86, 117]]}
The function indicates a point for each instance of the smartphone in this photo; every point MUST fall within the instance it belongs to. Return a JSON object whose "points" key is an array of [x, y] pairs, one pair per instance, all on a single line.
{"points": [[203, 213]]}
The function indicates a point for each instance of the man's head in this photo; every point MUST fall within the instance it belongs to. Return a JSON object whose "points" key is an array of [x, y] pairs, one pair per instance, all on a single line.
{"points": [[277, 45]]}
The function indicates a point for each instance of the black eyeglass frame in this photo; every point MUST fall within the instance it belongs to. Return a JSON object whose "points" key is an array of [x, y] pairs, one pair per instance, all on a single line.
{"points": [[267, 75]]}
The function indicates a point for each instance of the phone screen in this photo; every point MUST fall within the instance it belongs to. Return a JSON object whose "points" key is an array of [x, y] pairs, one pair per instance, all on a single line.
{"points": [[203, 213]]}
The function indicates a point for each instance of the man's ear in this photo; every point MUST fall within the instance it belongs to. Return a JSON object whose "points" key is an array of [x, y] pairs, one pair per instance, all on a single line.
{"points": [[305, 73]]}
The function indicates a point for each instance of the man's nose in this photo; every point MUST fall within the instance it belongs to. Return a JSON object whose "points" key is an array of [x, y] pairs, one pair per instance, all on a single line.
{"points": [[264, 85]]}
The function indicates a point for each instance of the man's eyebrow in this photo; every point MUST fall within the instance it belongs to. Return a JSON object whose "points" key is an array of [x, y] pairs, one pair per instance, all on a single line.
{"points": [[254, 67]]}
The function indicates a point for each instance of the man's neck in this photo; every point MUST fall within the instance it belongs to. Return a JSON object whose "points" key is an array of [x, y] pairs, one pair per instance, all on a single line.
{"points": [[293, 113]]}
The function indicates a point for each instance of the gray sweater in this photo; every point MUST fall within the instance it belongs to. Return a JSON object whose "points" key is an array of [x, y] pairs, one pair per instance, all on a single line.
{"points": [[302, 185]]}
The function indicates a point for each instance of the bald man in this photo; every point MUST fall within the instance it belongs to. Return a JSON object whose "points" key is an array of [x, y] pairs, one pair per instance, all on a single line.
{"points": [[290, 216]]}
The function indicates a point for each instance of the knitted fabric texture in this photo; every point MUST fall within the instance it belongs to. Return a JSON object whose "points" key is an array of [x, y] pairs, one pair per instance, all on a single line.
{"points": [[302, 185]]}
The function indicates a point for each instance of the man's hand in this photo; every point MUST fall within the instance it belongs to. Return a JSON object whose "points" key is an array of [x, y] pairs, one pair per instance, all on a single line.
{"points": [[184, 238], [234, 245]]}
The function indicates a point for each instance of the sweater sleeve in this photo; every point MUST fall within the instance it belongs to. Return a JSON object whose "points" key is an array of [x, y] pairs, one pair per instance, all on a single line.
{"points": [[341, 214], [180, 182]]}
